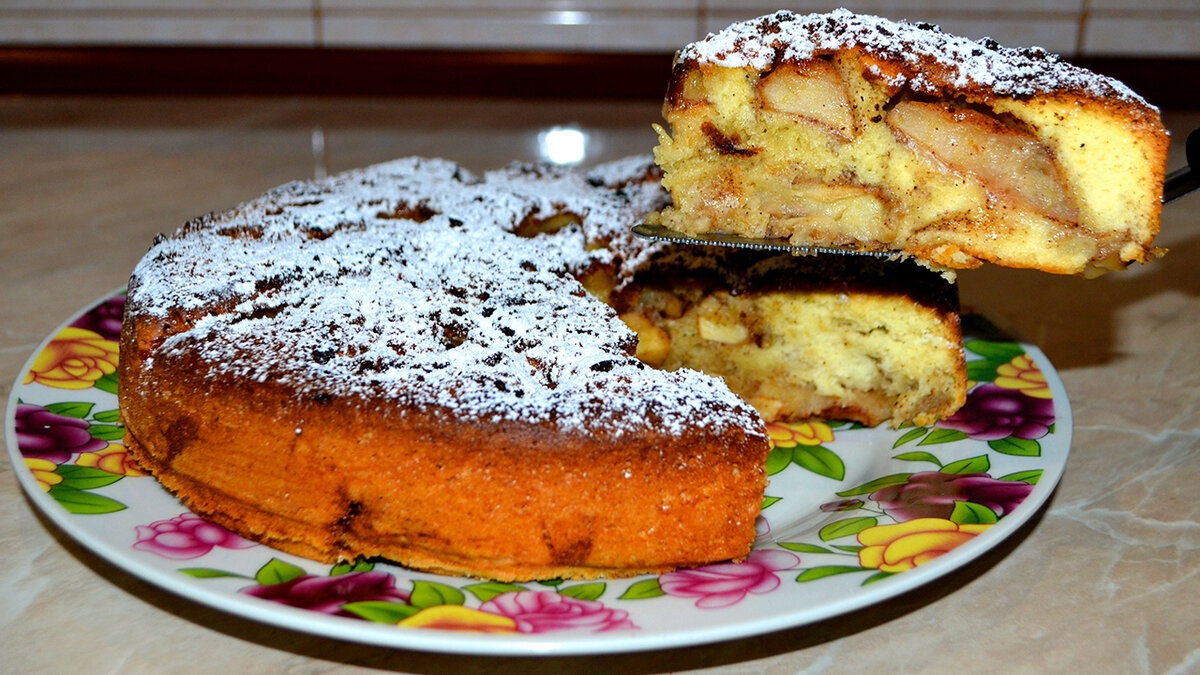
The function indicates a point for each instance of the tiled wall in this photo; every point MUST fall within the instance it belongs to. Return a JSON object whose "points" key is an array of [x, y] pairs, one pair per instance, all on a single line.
{"points": [[1084, 27]]}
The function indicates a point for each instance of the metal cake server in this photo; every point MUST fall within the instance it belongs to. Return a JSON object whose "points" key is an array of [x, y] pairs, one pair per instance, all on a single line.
{"points": [[1185, 179], [660, 233]]}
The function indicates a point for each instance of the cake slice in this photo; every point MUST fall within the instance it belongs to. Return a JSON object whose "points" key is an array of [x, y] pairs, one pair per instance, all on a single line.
{"points": [[855, 131], [828, 337]]}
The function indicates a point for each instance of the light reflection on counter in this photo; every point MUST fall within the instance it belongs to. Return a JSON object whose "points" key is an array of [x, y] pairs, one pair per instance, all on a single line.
{"points": [[563, 145]]}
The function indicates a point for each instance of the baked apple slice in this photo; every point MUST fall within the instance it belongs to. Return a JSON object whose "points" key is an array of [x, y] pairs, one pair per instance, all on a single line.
{"points": [[814, 90], [1010, 163]]}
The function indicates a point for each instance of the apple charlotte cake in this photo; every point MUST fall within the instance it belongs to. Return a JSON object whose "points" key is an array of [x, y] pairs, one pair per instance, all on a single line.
{"points": [[856, 131], [411, 362]]}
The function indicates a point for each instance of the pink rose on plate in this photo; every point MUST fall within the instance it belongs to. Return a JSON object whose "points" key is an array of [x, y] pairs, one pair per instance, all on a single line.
{"points": [[725, 584], [184, 537], [545, 611]]}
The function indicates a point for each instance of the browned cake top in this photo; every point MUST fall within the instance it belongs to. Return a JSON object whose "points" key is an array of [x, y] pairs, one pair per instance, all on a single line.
{"points": [[405, 283], [935, 62]]}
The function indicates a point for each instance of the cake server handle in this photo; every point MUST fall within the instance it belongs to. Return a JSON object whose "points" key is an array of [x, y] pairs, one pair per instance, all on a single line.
{"points": [[1184, 180]]}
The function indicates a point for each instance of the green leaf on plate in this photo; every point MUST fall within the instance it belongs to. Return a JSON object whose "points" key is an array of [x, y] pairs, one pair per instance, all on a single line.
{"points": [[877, 484], [380, 611], [589, 591], [878, 576], [910, 436], [208, 573], [847, 527], [982, 371], [78, 410], [778, 460], [979, 464], [849, 548], [277, 571], [819, 460], [108, 383], [1031, 476], [814, 573], [108, 416], [107, 432], [994, 351], [347, 567], [487, 590], [1017, 446], [85, 477], [551, 582], [971, 513], [994, 354], [767, 501], [799, 547], [82, 502], [918, 457], [939, 436], [431, 593], [643, 590]]}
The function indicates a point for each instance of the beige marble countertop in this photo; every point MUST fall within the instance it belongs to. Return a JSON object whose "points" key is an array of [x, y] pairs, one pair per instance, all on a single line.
{"points": [[1105, 580]]}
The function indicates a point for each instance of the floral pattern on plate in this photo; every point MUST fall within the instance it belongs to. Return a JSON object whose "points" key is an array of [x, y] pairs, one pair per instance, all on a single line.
{"points": [[847, 507]]}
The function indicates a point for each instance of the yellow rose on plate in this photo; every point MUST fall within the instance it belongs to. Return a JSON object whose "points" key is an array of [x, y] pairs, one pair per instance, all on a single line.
{"points": [[1023, 374], [43, 471], [114, 458], [903, 546], [74, 359], [785, 435], [457, 617]]}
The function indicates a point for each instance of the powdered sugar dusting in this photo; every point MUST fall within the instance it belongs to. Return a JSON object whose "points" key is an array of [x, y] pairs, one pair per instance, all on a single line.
{"points": [[965, 63], [405, 281]]}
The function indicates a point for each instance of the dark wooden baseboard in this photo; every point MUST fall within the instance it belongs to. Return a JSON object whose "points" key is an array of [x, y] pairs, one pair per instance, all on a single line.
{"points": [[331, 72], [1166, 82]]}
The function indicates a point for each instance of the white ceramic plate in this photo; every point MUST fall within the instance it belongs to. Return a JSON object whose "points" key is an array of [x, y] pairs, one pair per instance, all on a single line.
{"points": [[853, 516]]}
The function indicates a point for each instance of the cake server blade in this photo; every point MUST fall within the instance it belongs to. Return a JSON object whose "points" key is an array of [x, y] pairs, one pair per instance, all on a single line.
{"points": [[1186, 179], [660, 233]]}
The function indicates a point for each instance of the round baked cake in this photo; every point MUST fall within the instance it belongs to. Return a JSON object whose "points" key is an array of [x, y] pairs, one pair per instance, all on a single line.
{"points": [[403, 361]]}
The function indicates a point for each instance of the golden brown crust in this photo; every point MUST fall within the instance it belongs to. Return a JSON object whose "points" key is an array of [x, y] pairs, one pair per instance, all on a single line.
{"points": [[335, 480]]}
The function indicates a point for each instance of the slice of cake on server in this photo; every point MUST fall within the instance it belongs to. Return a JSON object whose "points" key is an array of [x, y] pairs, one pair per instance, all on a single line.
{"points": [[856, 131]]}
